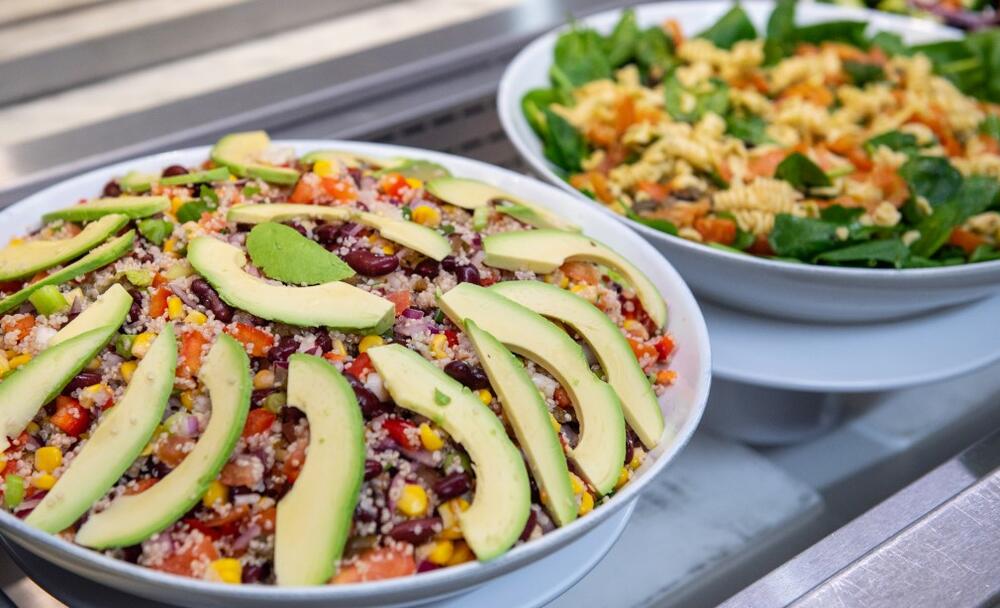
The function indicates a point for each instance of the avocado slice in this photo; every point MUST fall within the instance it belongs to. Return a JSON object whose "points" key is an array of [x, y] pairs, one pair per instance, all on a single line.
{"points": [[217, 174], [472, 194], [26, 259], [130, 206], [314, 518], [502, 499], [120, 436], [41, 379], [110, 308], [98, 257], [526, 411], [339, 305], [241, 151], [414, 168], [600, 452], [129, 520], [543, 251], [137, 182], [639, 404], [408, 234], [347, 159]]}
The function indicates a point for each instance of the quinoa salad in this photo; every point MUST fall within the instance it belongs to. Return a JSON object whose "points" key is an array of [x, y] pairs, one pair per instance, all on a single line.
{"points": [[326, 369], [821, 143]]}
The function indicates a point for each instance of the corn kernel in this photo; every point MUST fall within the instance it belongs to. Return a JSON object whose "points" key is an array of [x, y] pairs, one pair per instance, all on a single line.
{"points": [[438, 343], [564, 282], [428, 216], [577, 288], [217, 492], [555, 423], [89, 396], [623, 478], [414, 183], [48, 458], [187, 399], [170, 245], [586, 503], [449, 518], [263, 379], [485, 396], [32, 428], [430, 438], [441, 552], [637, 457], [45, 481], [226, 570], [576, 483], [388, 249], [196, 317], [412, 500], [140, 346], [339, 348], [126, 369], [3, 463], [4, 364], [94, 364], [175, 204], [323, 168], [16, 242], [175, 308], [19, 360], [461, 554], [369, 342]]}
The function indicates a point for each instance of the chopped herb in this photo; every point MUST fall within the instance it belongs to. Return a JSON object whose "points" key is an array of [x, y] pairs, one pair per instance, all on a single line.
{"points": [[446, 229], [862, 73], [480, 218], [730, 29], [155, 230], [440, 398], [283, 254], [801, 172], [250, 190]]}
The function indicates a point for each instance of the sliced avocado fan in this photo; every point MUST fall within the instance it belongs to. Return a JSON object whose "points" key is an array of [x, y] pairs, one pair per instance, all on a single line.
{"points": [[130, 206], [473, 194], [314, 517], [129, 520], [110, 308], [337, 304], [116, 442], [25, 259], [526, 411], [347, 159], [642, 410], [543, 251], [241, 153], [600, 451], [502, 499], [97, 258], [408, 234]]}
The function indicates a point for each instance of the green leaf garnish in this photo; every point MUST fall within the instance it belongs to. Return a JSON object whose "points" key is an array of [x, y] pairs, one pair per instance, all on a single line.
{"points": [[283, 254], [440, 398]]}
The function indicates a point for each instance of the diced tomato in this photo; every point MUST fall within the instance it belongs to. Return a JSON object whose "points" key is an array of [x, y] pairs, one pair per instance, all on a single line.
{"points": [[819, 95], [223, 522], [393, 184], [173, 449], [361, 365], [655, 191], [141, 486], [641, 349], [402, 432], [333, 357], [624, 113], [11, 286], [183, 562], [761, 246], [158, 302], [196, 524], [192, 345], [306, 191], [664, 347], [340, 190], [256, 340], [968, 241], [673, 29], [581, 272], [666, 377], [294, 460], [70, 417], [377, 564], [452, 337], [265, 519], [8, 468], [159, 280], [16, 443], [561, 398], [764, 165], [38, 276], [258, 421], [22, 325], [716, 229], [991, 145], [401, 299]]}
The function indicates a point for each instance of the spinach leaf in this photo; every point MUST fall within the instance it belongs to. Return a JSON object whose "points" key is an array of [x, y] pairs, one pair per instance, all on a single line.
{"points": [[654, 223], [862, 73], [889, 42], [751, 129], [972, 64], [715, 100], [935, 230], [620, 46], [533, 106], [579, 58], [802, 237], [894, 140], [977, 194], [931, 177], [984, 253], [743, 238], [730, 29], [991, 126], [974, 195], [654, 52], [801, 172], [839, 214], [986, 45], [780, 42], [891, 251], [563, 145], [848, 32]]}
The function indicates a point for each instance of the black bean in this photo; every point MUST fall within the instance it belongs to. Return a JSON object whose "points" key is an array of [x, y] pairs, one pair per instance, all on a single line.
{"points": [[112, 189], [369, 403], [132, 553], [452, 485], [173, 170], [326, 234], [449, 264], [82, 380], [370, 265], [211, 300], [416, 531], [372, 469], [472, 377], [284, 349], [427, 268], [467, 274], [253, 573], [257, 396]]}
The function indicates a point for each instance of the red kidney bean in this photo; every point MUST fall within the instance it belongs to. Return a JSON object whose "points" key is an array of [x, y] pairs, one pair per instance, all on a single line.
{"points": [[112, 190], [298, 228], [416, 531], [427, 268], [529, 526], [82, 380], [211, 300], [452, 485], [449, 264], [323, 341], [135, 310], [467, 274], [366, 514], [326, 234], [369, 264], [285, 348], [173, 170], [472, 377], [355, 174], [630, 441], [373, 468], [369, 403], [253, 573], [426, 566]]}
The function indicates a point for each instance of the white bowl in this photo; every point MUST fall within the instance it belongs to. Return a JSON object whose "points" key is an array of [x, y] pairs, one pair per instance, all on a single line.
{"points": [[682, 404], [782, 289]]}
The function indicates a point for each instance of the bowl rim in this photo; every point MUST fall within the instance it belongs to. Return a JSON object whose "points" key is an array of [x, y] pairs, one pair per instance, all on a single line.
{"points": [[513, 122], [465, 575]]}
